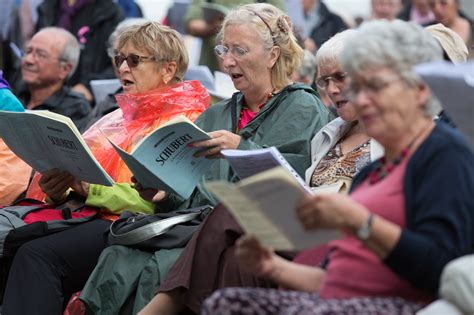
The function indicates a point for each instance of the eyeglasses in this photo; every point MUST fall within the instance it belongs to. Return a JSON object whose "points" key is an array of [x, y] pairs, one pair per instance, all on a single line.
{"points": [[236, 51], [371, 87], [132, 60], [40, 54], [338, 78]]}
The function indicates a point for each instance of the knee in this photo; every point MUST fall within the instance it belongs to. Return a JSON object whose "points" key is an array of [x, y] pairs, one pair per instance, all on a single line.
{"points": [[32, 253]]}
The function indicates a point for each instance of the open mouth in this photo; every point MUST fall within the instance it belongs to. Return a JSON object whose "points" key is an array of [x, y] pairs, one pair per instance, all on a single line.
{"points": [[341, 103], [236, 76], [126, 82]]}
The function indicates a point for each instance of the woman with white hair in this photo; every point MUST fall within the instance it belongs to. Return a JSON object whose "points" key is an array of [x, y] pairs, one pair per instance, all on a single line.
{"points": [[408, 214]]}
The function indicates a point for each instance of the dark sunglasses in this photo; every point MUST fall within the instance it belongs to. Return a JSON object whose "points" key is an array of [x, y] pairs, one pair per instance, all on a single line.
{"points": [[336, 77], [132, 60]]}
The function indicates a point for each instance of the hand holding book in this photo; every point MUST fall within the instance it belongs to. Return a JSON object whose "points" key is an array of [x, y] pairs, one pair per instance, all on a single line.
{"points": [[220, 140]]}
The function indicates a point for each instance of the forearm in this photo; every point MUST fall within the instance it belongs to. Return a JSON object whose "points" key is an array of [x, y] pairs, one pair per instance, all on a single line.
{"points": [[295, 276], [384, 234]]}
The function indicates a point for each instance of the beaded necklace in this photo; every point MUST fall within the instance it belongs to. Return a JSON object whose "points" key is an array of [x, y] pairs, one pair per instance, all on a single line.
{"points": [[384, 168], [249, 115]]}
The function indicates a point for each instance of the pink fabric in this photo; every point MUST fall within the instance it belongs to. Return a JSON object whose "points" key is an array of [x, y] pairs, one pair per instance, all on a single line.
{"points": [[415, 16], [369, 276], [246, 115]]}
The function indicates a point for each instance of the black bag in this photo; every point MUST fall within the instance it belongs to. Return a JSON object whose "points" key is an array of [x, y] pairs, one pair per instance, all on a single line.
{"points": [[158, 231]]}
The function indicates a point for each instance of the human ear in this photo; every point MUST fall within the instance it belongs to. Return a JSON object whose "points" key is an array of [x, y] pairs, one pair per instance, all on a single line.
{"points": [[64, 69], [423, 95], [274, 54], [169, 70]]}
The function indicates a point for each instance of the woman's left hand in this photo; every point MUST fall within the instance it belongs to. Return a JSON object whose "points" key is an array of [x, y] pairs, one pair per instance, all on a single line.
{"points": [[329, 210], [221, 139]]}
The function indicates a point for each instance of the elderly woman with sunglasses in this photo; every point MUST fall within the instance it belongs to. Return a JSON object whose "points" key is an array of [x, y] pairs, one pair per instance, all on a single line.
{"points": [[151, 62], [408, 213]]}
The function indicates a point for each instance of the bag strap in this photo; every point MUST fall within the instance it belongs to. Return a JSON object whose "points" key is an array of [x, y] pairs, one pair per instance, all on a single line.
{"points": [[150, 230]]}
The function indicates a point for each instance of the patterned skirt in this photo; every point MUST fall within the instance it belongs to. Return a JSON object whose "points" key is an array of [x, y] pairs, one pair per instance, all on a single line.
{"points": [[259, 301]]}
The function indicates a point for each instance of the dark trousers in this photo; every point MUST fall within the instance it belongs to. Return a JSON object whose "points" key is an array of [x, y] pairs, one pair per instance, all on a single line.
{"points": [[45, 272]]}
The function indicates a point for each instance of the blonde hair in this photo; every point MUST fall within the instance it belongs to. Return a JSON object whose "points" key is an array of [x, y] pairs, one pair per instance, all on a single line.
{"points": [[160, 41], [274, 28]]}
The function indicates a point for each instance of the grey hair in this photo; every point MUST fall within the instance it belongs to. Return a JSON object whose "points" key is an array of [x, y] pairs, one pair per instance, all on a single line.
{"points": [[118, 29], [71, 50], [396, 45], [330, 51], [274, 29]]}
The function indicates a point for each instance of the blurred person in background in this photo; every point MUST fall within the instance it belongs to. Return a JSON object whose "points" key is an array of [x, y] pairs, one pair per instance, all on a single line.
{"points": [[417, 11], [447, 12], [385, 9], [91, 22], [320, 24]]}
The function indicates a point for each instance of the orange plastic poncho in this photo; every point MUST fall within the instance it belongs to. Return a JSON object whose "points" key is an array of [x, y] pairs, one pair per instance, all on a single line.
{"points": [[137, 116], [14, 174]]}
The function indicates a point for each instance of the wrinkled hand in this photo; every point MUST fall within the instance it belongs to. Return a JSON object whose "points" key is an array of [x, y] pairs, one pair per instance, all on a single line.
{"points": [[254, 258], [149, 194], [55, 183], [330, 210], [221, 139]]}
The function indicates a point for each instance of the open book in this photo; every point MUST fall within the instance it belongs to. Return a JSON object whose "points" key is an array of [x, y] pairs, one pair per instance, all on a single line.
{"points": [[163, 160], [246, 163], [264, 205], [46, 140]]}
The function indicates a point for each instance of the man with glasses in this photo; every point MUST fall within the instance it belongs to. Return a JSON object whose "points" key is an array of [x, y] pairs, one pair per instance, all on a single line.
{"points": [[50, 58]]}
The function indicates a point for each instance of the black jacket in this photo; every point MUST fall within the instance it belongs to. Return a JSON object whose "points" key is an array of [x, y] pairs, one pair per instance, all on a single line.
{"points": [[65, 102], [329, 25], [101, 16]]}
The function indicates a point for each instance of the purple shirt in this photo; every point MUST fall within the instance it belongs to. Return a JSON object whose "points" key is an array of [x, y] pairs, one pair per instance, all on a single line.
{"points": [[3, 82]]}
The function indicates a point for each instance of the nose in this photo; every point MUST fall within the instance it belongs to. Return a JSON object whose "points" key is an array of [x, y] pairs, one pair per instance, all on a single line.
{"points": [[123, 67], [28, 57], [360, 99], [332, 88], [228, 61]]}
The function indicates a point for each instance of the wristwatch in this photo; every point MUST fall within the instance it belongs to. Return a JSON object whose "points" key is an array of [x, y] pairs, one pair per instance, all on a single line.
{"points": [[364, 231]]}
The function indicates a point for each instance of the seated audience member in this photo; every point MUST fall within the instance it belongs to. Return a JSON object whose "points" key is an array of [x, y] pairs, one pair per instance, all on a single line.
{"points": [[408, 213], [91, 22], [197, 25], [51, 57], [454, 48], [447, 12], [338, 151], [14, 173], [320, 24], [151, 62], [385, 9], [109, 104], [259, 52], [417, 11]]}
